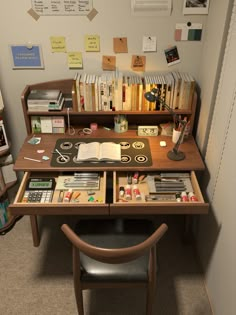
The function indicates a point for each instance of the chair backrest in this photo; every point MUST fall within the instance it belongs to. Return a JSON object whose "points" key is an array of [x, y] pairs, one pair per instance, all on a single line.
{"points": [[114, 255]]}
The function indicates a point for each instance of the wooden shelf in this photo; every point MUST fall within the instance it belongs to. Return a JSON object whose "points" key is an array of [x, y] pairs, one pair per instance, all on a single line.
{"points": [[102, 118]]}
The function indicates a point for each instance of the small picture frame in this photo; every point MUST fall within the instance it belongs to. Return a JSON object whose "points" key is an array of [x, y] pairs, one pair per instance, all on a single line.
{"points": [[196, 7], [3, 138], [26, 57], [172, 56]]}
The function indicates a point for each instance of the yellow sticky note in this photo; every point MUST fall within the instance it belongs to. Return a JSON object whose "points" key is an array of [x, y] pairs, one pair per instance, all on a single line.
{"points": [[58, 43], [75, 60], [92, 42]]}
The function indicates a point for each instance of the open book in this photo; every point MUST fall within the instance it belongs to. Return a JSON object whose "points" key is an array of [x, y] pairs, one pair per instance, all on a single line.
{"points": [[95, 151]]}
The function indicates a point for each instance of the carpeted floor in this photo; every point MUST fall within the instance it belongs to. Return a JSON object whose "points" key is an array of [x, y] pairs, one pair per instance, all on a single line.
{"points": [[38, 281]]}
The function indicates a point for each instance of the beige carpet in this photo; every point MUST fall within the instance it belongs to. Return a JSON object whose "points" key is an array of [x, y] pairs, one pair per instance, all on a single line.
{"points": [[38, 281]]}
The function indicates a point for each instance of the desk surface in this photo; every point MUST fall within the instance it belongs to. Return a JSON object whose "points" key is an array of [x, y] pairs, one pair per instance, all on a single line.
{"points": [[160, 161]]}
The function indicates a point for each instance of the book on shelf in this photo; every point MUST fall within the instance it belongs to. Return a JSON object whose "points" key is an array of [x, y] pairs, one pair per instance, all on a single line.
{"points": [[77, 90], [96, 151], [189, 96], [126, 93], [45, 100], [169, 88], [177, 79], [117, 91], [43, 96]]}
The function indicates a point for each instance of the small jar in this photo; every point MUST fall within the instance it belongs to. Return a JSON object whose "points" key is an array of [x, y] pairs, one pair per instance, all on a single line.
{"points": [[122, 191], [192, 196], [128, 192], [178, 197], [136, 192], [184, 196]]}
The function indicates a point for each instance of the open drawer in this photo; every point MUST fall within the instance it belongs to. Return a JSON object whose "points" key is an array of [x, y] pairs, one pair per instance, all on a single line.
{"points": [[83, 205], [167, 205]]}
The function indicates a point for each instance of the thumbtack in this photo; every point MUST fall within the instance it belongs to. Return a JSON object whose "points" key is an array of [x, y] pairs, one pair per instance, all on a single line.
{"points": [[29, 45]]}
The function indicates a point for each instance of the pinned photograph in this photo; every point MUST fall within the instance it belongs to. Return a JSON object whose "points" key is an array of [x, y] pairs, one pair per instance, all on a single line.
{"points": [[196, 6], [172, 56]]}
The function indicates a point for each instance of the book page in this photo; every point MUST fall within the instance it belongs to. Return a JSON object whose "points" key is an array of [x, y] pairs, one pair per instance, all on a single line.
{"points": [[88, 151], [110, 151]]}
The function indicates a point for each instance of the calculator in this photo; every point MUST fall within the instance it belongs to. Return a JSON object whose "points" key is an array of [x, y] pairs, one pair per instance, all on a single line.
{"points": [[39, 190]]}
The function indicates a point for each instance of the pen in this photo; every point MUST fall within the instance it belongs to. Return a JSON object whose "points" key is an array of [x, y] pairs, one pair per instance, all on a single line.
{"points": [[27, 158], [61, 155]]}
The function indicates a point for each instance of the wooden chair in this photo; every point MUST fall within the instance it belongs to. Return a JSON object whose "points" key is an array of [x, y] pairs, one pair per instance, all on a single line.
{"points": [[114, 253]]}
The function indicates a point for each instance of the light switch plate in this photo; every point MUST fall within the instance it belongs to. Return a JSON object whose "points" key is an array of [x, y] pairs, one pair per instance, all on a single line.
{"points": [[147, 131]]}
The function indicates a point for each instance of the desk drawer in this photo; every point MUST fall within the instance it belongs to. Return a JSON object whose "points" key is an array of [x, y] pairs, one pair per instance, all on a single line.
{"points": [[82, 207], [122, 206]]}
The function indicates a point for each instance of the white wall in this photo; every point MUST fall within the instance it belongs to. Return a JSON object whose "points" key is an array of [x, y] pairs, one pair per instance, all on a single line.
{"points": [[113, 20], [217, 234], [213, 47]]}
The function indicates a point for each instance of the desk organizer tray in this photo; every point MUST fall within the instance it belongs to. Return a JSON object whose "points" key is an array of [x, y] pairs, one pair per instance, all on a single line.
{"points": [[133, 152]]}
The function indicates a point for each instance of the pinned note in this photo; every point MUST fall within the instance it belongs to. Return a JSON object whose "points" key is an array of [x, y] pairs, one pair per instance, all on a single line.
{"points": [[138, 63], [109, 63], [92, 42], [58, 43], [75, 60], [120, 45], [149, 43]]}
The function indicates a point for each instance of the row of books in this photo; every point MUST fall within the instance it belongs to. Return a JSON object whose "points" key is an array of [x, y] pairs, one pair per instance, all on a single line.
{"points": [[45, 100], [117, 91], [47, 124]]}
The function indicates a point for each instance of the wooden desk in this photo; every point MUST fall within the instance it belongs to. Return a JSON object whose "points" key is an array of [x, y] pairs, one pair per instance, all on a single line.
{"points": [[192, 162]]}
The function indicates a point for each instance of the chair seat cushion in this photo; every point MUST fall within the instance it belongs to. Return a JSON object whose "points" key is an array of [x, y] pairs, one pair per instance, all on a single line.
{"points": [[114, 233]]}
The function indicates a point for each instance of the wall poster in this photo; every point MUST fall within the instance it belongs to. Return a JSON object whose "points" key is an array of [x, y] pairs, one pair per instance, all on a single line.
{"points": [[62, 7], [24, 57]]}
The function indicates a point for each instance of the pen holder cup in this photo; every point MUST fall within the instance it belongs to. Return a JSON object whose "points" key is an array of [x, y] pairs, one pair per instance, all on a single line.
{"points": [[121, 127], [175, 136]]}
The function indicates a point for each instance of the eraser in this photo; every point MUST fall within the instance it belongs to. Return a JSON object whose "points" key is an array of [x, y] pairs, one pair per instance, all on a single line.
{"points": [[162, 143]]}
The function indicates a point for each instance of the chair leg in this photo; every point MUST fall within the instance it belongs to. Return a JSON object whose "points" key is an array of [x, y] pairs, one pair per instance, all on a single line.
{"points": [[79, 299], [77, 283], [151, 286], [150, 298]]}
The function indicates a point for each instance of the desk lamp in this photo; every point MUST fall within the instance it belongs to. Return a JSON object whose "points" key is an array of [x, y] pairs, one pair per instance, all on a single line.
{"points": [[174, 154]]}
